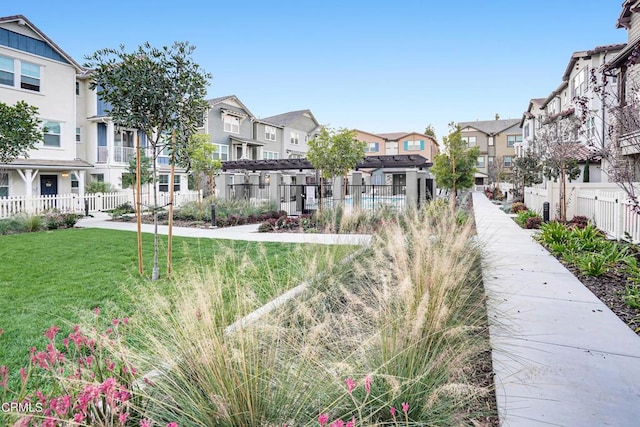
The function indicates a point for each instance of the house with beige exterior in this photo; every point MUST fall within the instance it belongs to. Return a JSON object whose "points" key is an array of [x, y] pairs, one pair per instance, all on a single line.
{"points": [[496, 140], [36, 70]]}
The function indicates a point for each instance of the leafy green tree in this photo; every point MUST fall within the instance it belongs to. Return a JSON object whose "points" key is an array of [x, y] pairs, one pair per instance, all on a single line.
{"points": [[429, 130], [202, 164], [335, 153], [455, 167], [20, 130], [526, 171], [160, 91]]}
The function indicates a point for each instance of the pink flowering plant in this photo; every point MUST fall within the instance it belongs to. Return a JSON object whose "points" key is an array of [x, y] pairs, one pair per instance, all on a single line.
{"points": [[82, 379]]}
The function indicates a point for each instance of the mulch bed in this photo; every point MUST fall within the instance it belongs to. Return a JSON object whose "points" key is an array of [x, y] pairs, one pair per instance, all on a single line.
{"points": [[609, 288]]}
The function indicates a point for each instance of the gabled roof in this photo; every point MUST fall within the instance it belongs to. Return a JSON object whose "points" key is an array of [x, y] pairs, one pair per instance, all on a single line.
{"points": [[222, 99], [555, 93], [490, 127], [22, 20], [284, 119], [527, 114], [587, 54], [628, 8], [369, 133]]}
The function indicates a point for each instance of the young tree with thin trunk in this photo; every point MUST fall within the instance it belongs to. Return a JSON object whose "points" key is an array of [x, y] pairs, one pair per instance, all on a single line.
{"points": [[200, 161], [335, 153], [455, 167], [160, 91], [560, 147], [526, 171]]}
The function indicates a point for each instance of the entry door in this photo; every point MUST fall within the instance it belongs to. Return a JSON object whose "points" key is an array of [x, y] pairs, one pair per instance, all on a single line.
{"points": [[48, 185]]}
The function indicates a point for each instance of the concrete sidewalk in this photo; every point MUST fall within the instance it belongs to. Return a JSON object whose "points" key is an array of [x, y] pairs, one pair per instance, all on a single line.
{"points": [[560, 356], [242, 232]]}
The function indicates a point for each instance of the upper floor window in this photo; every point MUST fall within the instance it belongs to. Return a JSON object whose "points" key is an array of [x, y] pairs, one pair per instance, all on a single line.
{"points": [[52, 134], [77, 88], [6, 71], [414, 145], [579, 83], [512, 139], [470, 140], [231, 123], [269, 133], [372, 147], [526, 130], [295, 139], [30, 76], [507, 161], [490, 141], [77, 134], [480, 162]]}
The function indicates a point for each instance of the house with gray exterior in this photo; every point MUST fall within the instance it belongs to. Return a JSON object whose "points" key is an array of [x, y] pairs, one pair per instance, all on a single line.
{"points": [[297, 128]]}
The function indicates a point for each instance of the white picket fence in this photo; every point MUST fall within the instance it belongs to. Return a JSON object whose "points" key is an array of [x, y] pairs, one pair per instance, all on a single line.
{"points": [[608, 208], [97, 202]]}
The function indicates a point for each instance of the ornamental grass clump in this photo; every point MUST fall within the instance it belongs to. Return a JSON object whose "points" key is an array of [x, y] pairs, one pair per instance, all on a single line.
{"points": [[401, 325]]}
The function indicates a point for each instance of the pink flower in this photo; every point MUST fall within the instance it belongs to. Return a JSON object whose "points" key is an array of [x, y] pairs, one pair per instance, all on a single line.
{"points": [[367, 384], [172, 424], [115, 322], [405, 407], [393, 411], [4, 376], [323, 419], [351, 384], [145, 423], [123, 417], [125, 320], [23, 375], [97, 311], [51, 332], [351, 423]]}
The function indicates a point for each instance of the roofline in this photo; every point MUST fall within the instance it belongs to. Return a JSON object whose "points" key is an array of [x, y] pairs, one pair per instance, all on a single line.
{"points": [[586, 54], [625, 16], [555, 93], [470, 125], [18, 18], [222, 99]]}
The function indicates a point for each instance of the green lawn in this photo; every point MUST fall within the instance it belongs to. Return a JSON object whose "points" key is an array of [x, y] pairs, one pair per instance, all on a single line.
{"points": [[54, 277]]}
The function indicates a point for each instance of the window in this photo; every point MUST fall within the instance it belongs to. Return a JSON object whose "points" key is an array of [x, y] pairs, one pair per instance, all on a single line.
{"points": [[512, 139], [470, 140], [295, 139], [231, 123], [176, 182], [75, 184], [269, 133], [526, 131], [415, 145], [77, 88], [372, 147], [491, 161], [270, 155], [97, 177], [6, 71], [221, 152], [507, 161], [579, 83], [480, 162], [490, 141], [77, 134], [4, 184], [30, 76], [163, 183], [52, 134]]}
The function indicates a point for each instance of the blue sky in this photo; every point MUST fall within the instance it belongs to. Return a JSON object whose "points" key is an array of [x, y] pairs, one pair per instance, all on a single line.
{"points": [[379, 66]]}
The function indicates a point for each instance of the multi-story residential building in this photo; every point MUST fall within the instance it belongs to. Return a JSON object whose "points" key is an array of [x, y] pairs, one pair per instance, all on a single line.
{"points": [[530, 123], [297, 127], [35, 70], [386, 144], [577, 95], [496, 140]]}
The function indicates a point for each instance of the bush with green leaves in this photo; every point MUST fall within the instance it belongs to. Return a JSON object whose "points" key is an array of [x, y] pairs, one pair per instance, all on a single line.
{"points": [[524, 215], [98, 187]]}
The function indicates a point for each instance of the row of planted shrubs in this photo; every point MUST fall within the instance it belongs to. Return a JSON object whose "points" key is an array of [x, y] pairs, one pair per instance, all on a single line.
{"points": [[361, 345], [27, 223], [582, 245]]}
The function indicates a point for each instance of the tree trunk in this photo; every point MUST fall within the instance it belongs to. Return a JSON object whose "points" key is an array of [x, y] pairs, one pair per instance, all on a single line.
{"points": [[171, 185], [563, 194], [138, 202], [155, 274], [454, 189]]}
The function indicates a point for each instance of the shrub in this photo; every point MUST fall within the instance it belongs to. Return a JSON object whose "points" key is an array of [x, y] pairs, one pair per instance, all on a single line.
{"points": [[98, 187], [52, 220], [11, 226], [69, 220], [517, 207], [524, 215], [533, 222], [30, 223], [553, 232], [578, 221]]}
